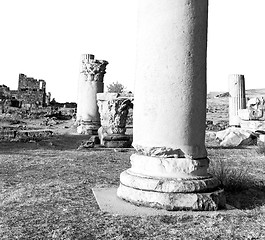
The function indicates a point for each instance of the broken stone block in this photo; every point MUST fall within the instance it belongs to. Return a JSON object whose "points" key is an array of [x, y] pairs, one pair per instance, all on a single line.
{"points": [[94, 139], [256, 108], [252, 125], [262, 137], [117, 141], [86, 144], [243, 114], [113, 115], [27, 135], [233, 137], [7, 134]]}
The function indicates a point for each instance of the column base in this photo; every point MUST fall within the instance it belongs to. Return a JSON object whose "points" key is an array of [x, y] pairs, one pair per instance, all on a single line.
{"points": [[88, 128], [172, 194], [116, 141]]}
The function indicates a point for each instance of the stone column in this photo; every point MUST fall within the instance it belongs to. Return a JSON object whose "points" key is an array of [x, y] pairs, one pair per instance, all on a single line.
{"points": [[85, 58], [237, 98], [90, 83], [113, 110], [169, 169]]}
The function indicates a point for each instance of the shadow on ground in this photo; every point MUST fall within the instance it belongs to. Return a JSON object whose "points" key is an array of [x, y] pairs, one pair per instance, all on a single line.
{"points": [[55, 142], [248, 199]]}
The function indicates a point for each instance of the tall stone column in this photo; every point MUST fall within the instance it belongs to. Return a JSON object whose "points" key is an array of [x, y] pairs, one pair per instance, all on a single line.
{"points": [[85, 58], [169, 169], [90, 83], [237, 98]]}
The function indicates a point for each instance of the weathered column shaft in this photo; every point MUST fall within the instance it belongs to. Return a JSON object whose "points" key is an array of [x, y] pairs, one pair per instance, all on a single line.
{"points": [[170, 167], [237, 98], [170, 90], [90, 109], [80, 90]]}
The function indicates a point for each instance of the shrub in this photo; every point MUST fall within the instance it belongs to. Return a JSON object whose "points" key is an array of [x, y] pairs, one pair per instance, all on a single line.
{"points": [[232, 179], [261, 148], [115, 87]]}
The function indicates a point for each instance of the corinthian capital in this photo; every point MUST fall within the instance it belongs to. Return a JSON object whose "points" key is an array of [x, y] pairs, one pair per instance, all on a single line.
{"points": [[94, 69]]}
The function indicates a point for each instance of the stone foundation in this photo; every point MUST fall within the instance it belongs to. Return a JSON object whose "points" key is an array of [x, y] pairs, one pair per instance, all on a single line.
{"points": [[88, 127], [209, 201]]}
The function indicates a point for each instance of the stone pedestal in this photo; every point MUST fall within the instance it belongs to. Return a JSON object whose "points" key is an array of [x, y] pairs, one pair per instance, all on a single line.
{"points": [[90, 83], [237, 98], [113, 115], [169, 169]]}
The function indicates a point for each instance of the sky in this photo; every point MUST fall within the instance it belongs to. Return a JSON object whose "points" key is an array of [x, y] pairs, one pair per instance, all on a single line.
{"points": [[44, 39]]}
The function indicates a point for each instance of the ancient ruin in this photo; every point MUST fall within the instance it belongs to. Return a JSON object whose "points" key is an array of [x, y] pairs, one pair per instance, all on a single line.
{"points": [[113, 110], [89, 84], [31, 93], [169, 168], [253, 116], [237, 97]]}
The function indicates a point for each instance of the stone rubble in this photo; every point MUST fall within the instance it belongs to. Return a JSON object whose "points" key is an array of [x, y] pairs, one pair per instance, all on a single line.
{"points": [[233, 137]]}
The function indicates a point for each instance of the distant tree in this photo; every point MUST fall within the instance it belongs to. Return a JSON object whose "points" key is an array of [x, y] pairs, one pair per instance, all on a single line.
{"points": [[115, 87], [53, 102]]}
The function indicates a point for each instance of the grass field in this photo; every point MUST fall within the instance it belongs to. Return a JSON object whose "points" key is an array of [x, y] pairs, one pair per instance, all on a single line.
{"points": [[45, 191], [46, 194]]}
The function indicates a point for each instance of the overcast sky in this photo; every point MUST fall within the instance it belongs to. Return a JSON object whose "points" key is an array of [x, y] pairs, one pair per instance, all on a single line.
{"points": [[45, 38]]}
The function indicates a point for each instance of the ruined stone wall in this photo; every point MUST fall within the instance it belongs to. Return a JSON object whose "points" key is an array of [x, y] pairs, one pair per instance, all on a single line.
{"points": [[31, 98], [31, 92], [25, 82], [4, 92]]}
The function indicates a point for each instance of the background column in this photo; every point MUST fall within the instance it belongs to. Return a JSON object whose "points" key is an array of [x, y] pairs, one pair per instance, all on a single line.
{"points": [[237, 98], [84, 58], [90, 83]]}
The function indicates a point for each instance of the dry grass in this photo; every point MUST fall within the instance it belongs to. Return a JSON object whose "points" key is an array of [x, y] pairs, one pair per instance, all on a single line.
{"points": [[46, 194], [231, 179], [261, 148]]}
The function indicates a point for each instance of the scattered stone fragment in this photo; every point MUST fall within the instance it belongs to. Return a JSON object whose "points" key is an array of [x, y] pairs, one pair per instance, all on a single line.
{"points": [[94, 139], [27, 135], [211, 134], [233, 137], [86, 144], [120, 150], [212, 126]]}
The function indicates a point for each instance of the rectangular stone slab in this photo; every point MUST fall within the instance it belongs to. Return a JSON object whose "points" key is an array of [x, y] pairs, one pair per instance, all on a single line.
{"points": [[109, 202], [252, 125]]}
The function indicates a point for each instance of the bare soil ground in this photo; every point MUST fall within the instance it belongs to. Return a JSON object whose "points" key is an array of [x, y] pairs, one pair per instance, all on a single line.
{"points": [[45, 192]]}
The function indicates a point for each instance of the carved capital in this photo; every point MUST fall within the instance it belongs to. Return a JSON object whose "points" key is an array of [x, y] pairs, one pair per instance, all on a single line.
{"points": [[256, 108], [94, 69], [113, 114]]}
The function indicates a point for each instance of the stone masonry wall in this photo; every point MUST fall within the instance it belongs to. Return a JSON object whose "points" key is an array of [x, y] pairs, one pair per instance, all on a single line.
{"points": [[31, 92]]}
